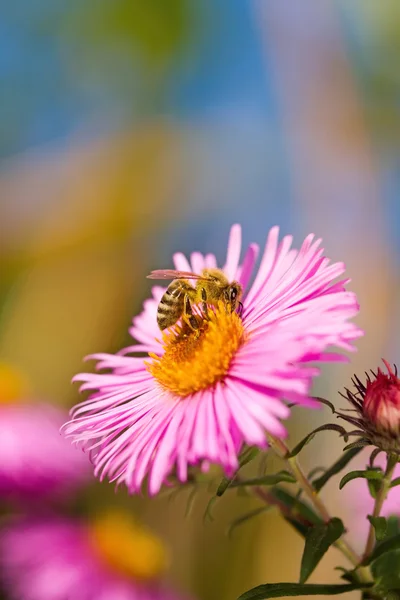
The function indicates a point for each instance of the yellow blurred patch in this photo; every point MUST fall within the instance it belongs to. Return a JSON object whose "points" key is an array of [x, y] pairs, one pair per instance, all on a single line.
{"points": [[14, 384], [128, 547]]}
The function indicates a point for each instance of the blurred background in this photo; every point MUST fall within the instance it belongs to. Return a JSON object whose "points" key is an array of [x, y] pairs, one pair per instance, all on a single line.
{"points": [[130, 130]]}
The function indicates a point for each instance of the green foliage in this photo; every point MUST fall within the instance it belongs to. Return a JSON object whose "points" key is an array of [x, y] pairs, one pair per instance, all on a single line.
{"points": [[208, 512], [386, 571], [247, 456], [246, 517], [156, 29], [281, 590], [318, 540], [370, 474], [337, 466], [389, 544], [295, 508], [281, 477], [380, 526], [329, 427]]}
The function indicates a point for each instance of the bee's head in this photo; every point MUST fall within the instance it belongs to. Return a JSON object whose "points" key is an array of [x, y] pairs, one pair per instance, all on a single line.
{"points": [[233, 294]]}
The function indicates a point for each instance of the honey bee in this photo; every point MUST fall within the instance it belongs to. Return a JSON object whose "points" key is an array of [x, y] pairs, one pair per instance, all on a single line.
{"points": [[211, 287]]}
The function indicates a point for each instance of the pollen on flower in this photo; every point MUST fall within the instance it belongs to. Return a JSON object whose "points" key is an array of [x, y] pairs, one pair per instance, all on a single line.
{"points": [[127, 547], [195, 360]]}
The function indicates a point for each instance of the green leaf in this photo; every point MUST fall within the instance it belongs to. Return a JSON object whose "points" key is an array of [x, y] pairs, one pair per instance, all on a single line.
{"points": [[318, 541], [374, 485], [370, 474], [190, 502], [392, 543], [309, 437], [386, 571], [208, 512], [282, 476], [248, 455], [301, 528], [295, 506], [380, 526], [340, 464], [326, 402], [393, 526], [347, 575], [281, 590], [395, 482], [246, 517]]}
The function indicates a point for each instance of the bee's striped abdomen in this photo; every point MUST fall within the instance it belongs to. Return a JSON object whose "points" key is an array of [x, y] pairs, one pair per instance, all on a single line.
{"points": [[171, 304]]}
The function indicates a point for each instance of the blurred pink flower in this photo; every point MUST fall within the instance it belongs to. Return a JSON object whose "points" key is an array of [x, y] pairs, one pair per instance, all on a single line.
{"points": [[35, 460], [57, 559], [200, 397]]}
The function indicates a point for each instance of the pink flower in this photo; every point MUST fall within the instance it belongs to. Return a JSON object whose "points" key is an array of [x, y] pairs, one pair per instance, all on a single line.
{"points": [[203, 394], [35, 460], [58, 559]]}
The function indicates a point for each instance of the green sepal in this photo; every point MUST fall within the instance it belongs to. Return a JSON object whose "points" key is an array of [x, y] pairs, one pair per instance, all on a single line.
{"points": [[281, 590], [318, 540], [357, 444], [309, 437], [370, 474], [373, 456], [380, 526], [340, 464]]}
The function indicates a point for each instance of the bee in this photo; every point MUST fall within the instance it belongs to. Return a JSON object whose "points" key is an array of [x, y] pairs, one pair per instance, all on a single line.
{"points": [[211, 287]]}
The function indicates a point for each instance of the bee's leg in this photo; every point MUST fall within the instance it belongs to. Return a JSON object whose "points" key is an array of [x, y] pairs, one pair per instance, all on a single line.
{"points": [[204, 305], [188, 315], [240, 311]]}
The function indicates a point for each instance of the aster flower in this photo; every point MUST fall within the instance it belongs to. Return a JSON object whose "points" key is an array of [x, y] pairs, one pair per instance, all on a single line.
{"points": [[376, 409], [196, 398], [35, 460], [59, 558]]}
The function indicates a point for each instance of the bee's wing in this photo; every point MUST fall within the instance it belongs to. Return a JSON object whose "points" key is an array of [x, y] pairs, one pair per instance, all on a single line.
{"points": [[172, 274]]}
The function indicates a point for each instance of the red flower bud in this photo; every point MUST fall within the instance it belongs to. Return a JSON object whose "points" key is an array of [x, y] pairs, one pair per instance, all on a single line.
{"points": [[382, 401]]}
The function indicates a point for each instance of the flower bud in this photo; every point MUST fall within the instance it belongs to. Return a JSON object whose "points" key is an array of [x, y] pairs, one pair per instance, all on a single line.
{"points": [[375, 411], [382, 401]]}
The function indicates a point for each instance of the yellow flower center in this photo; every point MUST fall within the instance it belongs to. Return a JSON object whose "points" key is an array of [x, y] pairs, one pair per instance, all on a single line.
{"points": [[13, 384], [128, 547], [195, 360]]}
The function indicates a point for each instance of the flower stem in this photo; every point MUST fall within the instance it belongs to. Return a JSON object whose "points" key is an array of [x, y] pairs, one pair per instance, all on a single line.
{"points": [[379, 500], [345, 548]]}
